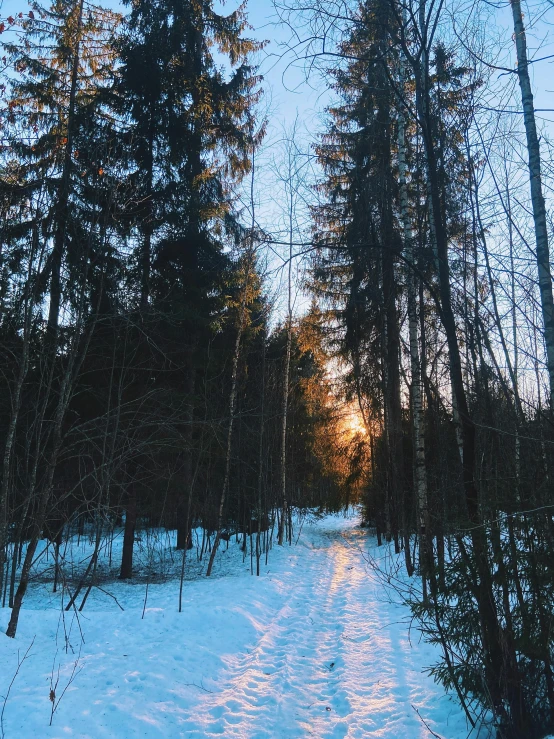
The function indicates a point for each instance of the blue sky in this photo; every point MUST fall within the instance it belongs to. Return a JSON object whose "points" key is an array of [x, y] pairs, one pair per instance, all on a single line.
{"points": [[289, 93], [289, 96]]}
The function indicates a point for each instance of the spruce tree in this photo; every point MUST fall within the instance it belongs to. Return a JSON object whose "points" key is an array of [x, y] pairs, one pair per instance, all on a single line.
{"points": [[360, 242], [58, 62], [187, 138]]}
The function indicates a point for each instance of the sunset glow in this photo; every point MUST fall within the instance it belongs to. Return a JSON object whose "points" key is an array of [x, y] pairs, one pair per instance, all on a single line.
{"points": [[354, 422]]}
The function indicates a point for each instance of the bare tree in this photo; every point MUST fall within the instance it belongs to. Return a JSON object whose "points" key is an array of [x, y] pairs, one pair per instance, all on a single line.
{"points": [[537, 197]]}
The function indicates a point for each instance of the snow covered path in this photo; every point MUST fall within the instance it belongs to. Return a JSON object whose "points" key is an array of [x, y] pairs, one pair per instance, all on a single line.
{"points": [[329, 664], [311, 649]]}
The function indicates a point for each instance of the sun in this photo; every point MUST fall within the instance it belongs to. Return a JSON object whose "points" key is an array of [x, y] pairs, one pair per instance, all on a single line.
{"points": [[354, 423]]}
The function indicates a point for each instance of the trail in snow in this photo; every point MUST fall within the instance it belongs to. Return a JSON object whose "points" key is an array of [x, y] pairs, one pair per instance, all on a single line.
{"points": [[312, 648], [333, 662]]}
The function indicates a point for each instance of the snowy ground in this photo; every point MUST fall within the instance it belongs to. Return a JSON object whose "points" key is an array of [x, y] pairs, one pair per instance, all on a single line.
{"points": [[312, 648]]}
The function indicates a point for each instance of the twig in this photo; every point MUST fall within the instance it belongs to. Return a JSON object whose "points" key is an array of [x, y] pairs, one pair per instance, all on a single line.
{"points": [[54, 685], [110, 595], [195, 685], [424, 722], [145, 599], [19, 663]]}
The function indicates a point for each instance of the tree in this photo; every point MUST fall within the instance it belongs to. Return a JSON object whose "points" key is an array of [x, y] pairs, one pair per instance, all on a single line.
{"points": [[362, 237], [188, 140], [537, 197], [52, 94]]}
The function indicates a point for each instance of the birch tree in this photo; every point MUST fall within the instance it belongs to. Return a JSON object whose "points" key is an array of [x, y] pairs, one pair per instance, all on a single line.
{"points": [[537, 197]]}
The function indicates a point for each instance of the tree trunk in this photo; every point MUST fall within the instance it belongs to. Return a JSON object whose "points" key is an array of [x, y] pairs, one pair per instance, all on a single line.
{"points": [[420, 473], [183, 512], [126, 572], [74, 359], [232, 406], [61, 215], [16, 408], [496, 647], [286, 375], [148, 222], [393, 400], [261, 463], [537, 198]]}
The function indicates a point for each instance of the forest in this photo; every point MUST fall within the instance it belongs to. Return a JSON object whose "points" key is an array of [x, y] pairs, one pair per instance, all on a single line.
{"points": [[210, 323]]}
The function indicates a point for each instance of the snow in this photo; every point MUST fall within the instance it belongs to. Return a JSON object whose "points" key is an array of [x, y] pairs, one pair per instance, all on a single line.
{"points": [[312, 648]]}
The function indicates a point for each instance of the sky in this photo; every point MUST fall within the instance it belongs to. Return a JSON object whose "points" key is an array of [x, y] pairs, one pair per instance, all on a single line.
{"points": [[289, 97], [284, 85]]}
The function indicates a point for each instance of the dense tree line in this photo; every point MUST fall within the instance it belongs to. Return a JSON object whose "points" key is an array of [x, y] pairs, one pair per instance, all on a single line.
{"points": [[432, 332], [143, 373]]}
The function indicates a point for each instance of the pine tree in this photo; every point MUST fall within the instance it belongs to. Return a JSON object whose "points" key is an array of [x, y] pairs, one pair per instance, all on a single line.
{"points": [[57, 68], [61, 65], [362, 238], [187, 134]]}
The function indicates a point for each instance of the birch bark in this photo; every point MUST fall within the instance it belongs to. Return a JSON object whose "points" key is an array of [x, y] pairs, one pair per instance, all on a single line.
{"points": [[420, 474], [537, 197]]}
